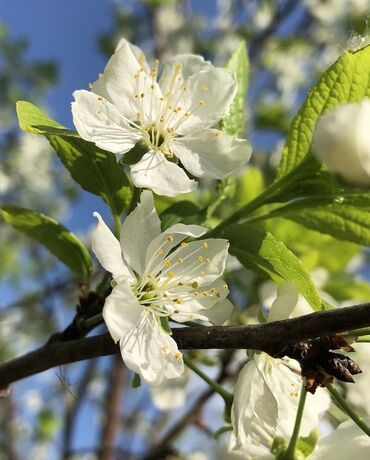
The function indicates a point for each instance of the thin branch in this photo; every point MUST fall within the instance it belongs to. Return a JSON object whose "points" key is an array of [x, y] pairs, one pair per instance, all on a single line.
{"points": [[111, 426], [269, 337]]}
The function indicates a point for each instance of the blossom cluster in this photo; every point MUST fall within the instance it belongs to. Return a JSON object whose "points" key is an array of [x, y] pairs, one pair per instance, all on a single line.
{"points": [[163, 127]]}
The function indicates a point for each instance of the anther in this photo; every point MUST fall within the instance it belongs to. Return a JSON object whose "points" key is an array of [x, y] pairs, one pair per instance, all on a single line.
{"points": [[205, 245], [202, 103], [194, 284], [200, 259], [170, 238], [180, 260], [184, 245]]}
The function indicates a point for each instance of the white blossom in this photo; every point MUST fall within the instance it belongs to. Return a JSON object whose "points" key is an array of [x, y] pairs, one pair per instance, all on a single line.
{"points": [[265, 405], [173, 117], [159, 276], [345, 442], [170, 394], [342, 141]]}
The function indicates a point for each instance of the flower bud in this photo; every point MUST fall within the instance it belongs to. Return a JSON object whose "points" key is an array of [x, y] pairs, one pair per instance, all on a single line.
{"points": [[341, 140]]}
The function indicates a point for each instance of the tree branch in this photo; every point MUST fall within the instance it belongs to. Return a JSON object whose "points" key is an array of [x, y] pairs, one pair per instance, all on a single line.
{"points": [[269, 337]]}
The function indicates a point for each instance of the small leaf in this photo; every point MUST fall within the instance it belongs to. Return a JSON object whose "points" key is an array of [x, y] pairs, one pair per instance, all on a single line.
{"points": [[238, 63], [344, 287], [345, 217], [257, 249], [94, 169], [136, 381], [185, 212], [347, 80], [54, 236], [35, 121]]}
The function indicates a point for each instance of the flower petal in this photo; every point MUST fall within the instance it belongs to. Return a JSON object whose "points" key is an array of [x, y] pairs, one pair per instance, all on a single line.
{"points": [[108, 251], [140, 227], [212, 154], [207, 99], [285, 302], [159, 248], [122, 311], [220, 313], [98, 121], [346, 441], [150, 352], [170, 393], [285, 385], [125, 84], [137, 52], [190, 64], [198, 262], [254, 405], [154, 171], [197, 303]]}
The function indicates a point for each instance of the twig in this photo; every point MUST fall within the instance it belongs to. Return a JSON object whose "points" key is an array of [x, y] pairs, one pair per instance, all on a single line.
{"points": [[269, 337]]}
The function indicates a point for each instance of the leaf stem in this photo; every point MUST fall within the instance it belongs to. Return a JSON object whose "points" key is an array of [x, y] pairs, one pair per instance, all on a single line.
{"points": [[290, 452], [358, 332], [348, 410], [91, 322], [226, 395]]}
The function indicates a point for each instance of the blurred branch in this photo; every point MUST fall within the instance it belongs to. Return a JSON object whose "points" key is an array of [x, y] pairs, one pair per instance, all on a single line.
{"points": [[111, 427], [73, 406], [10, 429], [269, 337], [159, 450]]}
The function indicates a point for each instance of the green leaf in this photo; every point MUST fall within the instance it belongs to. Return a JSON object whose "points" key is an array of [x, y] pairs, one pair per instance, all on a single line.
{"points": [[94, 169], [344, 287], [136, 381], [54, 236], [257, 249], [250, 186], [347, 80], [35, 121], [238, 63], [185, 212], [345, 217], [314, 249], [307, 444]]}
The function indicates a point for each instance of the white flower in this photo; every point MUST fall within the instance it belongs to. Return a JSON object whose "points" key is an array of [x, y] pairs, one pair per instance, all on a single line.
{"points": [[172, 117], [265, 405], [159, 276], [170, 393], [342, 141], [345, 442]]}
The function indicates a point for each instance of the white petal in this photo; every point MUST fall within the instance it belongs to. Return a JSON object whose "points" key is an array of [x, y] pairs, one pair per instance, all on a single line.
{"points": [[140, 227], [119, 85], [98, 121], [285, 385], [345, 442], [155, 172], [285, 302], [254, 407], [137, 52], [208, 99], [190, 64], [341, 140], [121, 311], [108, 250], [220, 313], [212, 154], [159, 248], [198, 303], [150, 352], [171, 393], [201, 262]]}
